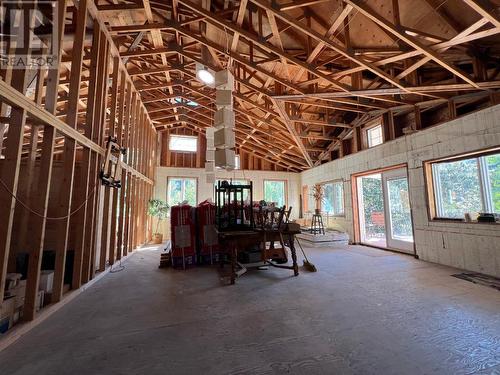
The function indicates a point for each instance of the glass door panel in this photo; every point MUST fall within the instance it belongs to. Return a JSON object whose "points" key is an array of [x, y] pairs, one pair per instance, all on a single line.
{"points": [[398, 214], [371, 210], [384, 210]]}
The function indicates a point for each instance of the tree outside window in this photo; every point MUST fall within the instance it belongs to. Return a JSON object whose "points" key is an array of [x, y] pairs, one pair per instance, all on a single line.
{"points": [[467, 186], [275, 191], [180, 190], [333, 200]]}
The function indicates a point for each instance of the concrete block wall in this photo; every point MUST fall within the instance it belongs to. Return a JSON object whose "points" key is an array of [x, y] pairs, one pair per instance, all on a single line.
{"points": [[474, 246], [205, 190]]}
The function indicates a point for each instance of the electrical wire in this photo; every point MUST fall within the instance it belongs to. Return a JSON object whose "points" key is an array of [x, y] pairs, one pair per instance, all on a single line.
{"points": [[45, 216]]}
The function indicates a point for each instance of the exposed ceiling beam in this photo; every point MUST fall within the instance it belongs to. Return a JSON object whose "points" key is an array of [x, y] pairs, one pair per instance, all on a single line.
{"points": [[291, 129], [385, 24], [485, 10]]}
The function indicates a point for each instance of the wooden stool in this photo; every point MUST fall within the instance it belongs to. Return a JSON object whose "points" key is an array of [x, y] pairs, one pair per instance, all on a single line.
{"points": [[317, 226]]}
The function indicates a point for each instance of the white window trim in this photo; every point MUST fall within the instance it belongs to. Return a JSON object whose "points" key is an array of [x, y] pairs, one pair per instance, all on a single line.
{"points": [[183, 189], [179, 136], [484, 186], [369, 131]]}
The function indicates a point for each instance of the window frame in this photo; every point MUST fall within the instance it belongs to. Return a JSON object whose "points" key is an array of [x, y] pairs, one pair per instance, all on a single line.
{"points": [[237, 162], [182, 178], [484, 187], [182, 136], [370, 129], [341, 182], [275, 180]]}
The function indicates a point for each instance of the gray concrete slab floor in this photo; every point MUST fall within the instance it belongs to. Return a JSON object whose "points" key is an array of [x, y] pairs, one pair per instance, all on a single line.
{"points": [[366, 311]]}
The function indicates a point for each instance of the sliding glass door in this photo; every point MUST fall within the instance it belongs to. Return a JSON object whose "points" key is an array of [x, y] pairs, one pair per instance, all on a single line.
{"points": [[371, 210], [384, 210], [399, 229]]}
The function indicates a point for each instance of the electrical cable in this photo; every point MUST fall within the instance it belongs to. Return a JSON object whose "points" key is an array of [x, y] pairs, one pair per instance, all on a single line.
{"points": [[45, 216]]}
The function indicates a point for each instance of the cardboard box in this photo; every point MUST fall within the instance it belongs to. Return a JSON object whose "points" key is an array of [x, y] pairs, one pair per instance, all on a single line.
{"points": [[225, 138], [210, 144], [6, 314], [46, 281], [225, 158], [39, 300], [210, 166], [224, 80], [209, 133], [224, 118], [20, 294], [11, 280], [210, 155], [223, 98], [18, 314]]}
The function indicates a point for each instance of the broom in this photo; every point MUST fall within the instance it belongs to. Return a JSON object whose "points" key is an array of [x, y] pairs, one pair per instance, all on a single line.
{"points": [[307, 265]]}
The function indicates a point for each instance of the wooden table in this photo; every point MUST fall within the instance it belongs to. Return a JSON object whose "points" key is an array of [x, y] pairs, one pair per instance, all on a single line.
{"points": [[234, 241]]}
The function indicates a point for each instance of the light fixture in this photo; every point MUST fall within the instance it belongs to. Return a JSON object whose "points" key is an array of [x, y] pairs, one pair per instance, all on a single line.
{"points": [[204, 74]]}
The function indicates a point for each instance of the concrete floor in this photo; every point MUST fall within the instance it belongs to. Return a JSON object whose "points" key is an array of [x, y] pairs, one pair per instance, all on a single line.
{"points": [[365, 312]]}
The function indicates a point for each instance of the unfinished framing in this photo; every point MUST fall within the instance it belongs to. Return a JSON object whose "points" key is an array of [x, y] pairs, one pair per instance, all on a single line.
{"points": [[54, 129]]}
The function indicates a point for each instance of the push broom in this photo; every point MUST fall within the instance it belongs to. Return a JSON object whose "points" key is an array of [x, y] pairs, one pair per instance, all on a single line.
{"points": [[307, 265]]}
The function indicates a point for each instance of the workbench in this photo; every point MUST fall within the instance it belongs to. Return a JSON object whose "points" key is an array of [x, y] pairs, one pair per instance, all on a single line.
{"points": [[234, 241]]}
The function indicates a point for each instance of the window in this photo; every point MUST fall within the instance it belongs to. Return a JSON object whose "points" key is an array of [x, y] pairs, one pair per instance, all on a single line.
{"points": [[374, 136], [183, 143], [275, 191], [237, 162], [311, 202], [466, 186], [333, 200], [180, 190]]}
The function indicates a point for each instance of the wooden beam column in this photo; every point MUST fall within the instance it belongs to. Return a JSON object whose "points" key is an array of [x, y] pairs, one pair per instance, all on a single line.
{"points": [[37, 223], [9, 168], [66, 191]]}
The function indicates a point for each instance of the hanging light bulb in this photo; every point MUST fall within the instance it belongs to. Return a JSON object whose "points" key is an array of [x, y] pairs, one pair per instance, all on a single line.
{"points": [[204, 74]]}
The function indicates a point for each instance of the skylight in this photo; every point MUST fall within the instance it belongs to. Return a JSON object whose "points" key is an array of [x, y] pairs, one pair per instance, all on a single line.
{"points": [[187, 102]]}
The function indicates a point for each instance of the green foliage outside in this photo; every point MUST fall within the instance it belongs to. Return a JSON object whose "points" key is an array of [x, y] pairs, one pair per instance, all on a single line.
{"points": [[333, 201], [274, 191], [180, 190], [373, 203], [399, 207], [458, 188], [494, 172], [159, 209]]}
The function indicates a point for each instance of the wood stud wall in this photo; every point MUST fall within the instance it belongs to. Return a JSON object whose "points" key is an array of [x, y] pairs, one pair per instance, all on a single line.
{"points": [[99, 224]]}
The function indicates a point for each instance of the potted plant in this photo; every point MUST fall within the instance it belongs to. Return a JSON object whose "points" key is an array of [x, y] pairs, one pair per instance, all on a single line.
{"points": [[318, 197], [159, 209]]}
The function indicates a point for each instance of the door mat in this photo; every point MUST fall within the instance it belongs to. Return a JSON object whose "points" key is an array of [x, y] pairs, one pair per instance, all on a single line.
{"points": [[479, 278]]}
